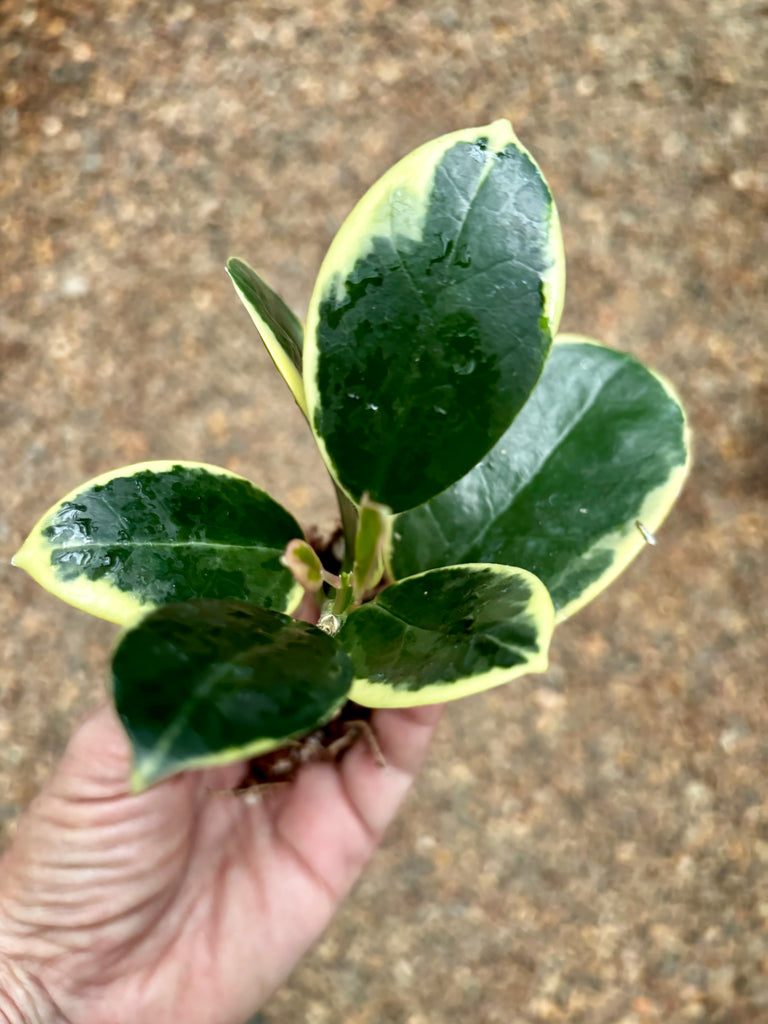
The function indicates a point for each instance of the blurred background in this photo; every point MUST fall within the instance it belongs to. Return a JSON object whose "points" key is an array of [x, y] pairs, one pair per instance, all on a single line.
{"points": [[590, 845]]}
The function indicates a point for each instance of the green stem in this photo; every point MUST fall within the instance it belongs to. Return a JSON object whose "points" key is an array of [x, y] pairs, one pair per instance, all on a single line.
{"points": [[344, 597], [349, 526], [338, 606]]}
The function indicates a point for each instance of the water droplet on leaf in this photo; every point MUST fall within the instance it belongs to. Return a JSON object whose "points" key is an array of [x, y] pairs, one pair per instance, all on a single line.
{"points": [[464, 366]]}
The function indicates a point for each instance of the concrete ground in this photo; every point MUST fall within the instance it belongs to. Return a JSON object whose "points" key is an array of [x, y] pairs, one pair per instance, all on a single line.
{"points": [[587, 846]]}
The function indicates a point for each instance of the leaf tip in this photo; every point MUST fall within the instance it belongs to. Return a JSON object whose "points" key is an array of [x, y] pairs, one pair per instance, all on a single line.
{"points": [[21, 558], [236, 270], [501, 125], [137, 783], [147, 767], [301, 560], [540, 664], [145, 773]]}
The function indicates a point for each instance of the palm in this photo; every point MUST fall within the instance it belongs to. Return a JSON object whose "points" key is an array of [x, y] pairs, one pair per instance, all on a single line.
{"points": [[186, 902]]}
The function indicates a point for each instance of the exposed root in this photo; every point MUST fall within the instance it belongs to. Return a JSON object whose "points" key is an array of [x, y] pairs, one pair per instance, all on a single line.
{"points": [[327, 744]]}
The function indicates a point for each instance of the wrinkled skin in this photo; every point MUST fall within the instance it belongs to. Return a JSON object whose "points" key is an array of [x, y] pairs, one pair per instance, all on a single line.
{"points": [[186, 902]]}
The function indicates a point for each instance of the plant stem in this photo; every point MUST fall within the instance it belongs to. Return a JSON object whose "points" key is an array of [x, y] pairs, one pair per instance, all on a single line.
{"points": [[349, 526], [344, 597]]}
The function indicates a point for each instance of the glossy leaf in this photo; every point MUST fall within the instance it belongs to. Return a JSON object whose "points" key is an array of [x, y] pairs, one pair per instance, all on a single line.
{"points": [[448, 633], [156, 532], [210, 682], [600, 447], [279, 327], [432, 316]]}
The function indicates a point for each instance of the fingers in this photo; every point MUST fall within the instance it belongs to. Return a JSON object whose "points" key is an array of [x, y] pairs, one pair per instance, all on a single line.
{"points": [[403, 735], [323, 832], [331, 819], [222, 779], [97, 761], [97, 764]]}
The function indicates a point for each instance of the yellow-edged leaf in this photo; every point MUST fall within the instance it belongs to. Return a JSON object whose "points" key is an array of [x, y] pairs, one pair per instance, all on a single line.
{"points": [[156, 532], [440, 294], [448, 633]]}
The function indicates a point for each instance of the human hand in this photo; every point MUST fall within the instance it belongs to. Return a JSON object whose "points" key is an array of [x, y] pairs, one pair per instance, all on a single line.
{"points": [[185, 902]]}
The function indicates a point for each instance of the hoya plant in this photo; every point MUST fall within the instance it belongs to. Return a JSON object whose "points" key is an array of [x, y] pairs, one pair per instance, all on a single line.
{"points": [[492, 478]]}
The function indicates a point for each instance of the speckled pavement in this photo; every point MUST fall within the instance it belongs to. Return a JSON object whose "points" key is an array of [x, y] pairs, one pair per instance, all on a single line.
{"points": [[586, 846]]}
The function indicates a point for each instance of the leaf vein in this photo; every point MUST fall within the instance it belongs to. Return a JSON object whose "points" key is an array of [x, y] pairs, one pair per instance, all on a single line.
{"points": [[539, 469], [108, 545]]}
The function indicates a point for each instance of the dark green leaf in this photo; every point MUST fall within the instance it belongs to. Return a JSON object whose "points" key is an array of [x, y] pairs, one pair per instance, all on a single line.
{"points": [[448, 633], [432, 316], [600, 446], [157, 532], [279, 327], [210, 682]]}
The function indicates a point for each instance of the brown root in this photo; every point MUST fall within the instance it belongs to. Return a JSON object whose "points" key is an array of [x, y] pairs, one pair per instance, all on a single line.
{"points": [[327, 744]]}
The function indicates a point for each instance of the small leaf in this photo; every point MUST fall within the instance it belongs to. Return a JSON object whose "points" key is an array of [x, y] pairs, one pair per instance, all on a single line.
{"points": [[432, 316], [301, 560], [448, 633], [344, 597], [156, 532], [601, 444], [279, 327], [372, 546], [205, 683]]}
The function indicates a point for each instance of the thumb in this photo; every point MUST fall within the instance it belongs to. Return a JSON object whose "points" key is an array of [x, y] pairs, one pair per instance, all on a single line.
{"points": [[97, 761]]}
